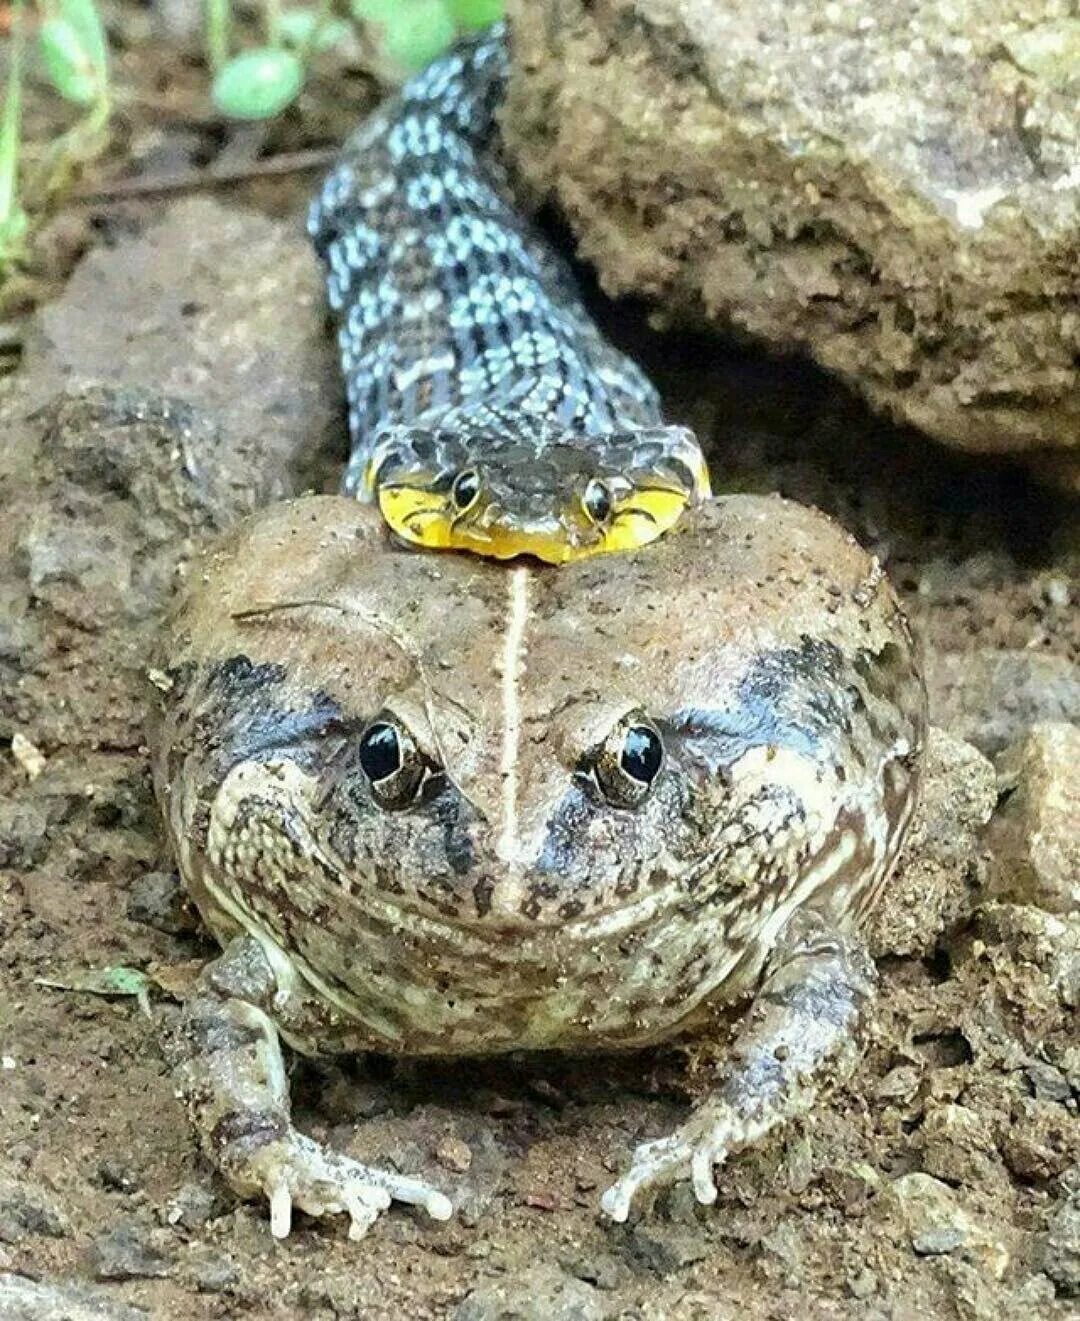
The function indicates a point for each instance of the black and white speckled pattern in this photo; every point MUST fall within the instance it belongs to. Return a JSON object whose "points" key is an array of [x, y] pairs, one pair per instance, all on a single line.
{"points": [[455, 313]]}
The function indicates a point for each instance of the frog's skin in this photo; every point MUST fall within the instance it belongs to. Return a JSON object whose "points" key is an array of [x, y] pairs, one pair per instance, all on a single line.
{"points": [[509, 905]]}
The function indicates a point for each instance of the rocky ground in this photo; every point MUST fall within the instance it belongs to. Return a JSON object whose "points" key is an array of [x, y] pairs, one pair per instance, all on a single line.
{"points": [[892, 189], [184, 374], [944, 1181]]}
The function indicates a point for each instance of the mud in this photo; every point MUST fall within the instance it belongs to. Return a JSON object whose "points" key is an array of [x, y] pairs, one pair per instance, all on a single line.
{"points": [[943, 1181]]}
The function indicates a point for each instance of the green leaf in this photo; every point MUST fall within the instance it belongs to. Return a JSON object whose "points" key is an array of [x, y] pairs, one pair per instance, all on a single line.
{"points": [[104, 981], [416, 33], [477, 13], [258, 83], [70, 67], [374, 11], [83, 17], [304, 28], [11, 214]]}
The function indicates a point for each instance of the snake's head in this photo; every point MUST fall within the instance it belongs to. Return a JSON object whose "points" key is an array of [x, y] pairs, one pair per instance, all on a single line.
{"points": [[558, 496]]}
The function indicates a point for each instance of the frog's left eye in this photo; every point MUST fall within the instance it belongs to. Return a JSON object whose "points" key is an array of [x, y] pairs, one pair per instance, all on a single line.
{"points": [[629, 762], [465, 490], [597, 502], [393, 765]]}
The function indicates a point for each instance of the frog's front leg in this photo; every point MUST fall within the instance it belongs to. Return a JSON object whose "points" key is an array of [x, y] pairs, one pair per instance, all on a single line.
{"points": [[227, 1059], [799, 1034]]}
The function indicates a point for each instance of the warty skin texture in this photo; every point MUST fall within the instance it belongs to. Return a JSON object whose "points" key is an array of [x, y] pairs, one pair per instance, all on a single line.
{"points": [[510, 905]]}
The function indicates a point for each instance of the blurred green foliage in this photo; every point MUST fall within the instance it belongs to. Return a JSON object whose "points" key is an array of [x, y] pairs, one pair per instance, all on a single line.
{"points": [[256, 81]]}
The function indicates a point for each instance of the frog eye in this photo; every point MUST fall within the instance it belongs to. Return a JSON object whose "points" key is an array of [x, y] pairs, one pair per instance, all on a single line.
{"points": [[465, 490], [629, 761], [597, 502], [390, 759]]}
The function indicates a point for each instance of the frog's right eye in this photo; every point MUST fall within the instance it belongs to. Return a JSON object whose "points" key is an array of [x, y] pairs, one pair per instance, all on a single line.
{"points": [[629, 761], [392, 763]]}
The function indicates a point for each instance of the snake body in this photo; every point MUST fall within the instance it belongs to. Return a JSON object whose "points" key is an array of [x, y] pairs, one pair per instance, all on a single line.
{"points": [[486, 410]]}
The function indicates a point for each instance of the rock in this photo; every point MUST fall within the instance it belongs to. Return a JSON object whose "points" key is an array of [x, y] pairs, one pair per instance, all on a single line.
{"points": [[1041, 1141], [933, 883], [667, 1248], [453, 1154], [159, 900], [193, 1206], [992, 698], [215, 307], [126, 1253], [889, 190], [37, 1300], [937, 1224], [1060, 1251], [1035, 837], [23, 824], [540, 1293], [955, 1144], [212, 1272], [1049, 942], [25, 1212]]}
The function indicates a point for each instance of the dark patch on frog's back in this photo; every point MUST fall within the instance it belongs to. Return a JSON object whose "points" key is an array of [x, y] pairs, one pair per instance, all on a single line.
{"points": [[797, 698], [241, 712]]}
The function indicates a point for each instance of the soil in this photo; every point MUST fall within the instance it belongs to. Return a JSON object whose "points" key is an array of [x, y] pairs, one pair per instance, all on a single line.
{"points": [[944, 1180]]}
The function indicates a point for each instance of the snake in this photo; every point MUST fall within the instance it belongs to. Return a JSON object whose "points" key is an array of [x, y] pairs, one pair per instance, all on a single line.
{"points": [[486, 410]]}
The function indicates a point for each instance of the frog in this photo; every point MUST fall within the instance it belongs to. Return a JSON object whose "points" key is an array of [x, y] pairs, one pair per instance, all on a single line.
{"points": [[436, 806]]}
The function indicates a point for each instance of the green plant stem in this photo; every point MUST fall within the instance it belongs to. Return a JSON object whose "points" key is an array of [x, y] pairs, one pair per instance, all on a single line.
{"points": [[12, 120], [218, 19], [271, 15]]}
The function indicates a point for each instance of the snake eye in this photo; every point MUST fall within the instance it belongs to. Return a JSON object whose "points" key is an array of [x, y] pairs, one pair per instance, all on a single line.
{"points": [[390, 760], [630, 761], [465, 490], [597, 501]]}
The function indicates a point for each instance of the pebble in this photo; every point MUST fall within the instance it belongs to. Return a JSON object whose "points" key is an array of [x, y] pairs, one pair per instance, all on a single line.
{"points": [[192, 1206], [158, 900], [36, 1300], [26, 1212], [540, 1293], [125, 1253], [454, 1154], [664, 1249], [992, 698], [938, 1224], [1035, 835], [1061, 1249]]}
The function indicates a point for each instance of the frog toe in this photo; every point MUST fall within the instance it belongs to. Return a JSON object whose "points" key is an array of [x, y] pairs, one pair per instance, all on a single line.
{"points": [[299, 1173]]}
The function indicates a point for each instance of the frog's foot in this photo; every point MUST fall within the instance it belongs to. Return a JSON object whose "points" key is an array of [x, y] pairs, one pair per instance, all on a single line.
{"points": [[296, 1171], [692, 1151], [800, 1032]]}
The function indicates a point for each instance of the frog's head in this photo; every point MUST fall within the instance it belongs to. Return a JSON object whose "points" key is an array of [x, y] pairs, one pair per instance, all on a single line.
{"points": [[543, 493], [450, 773]]}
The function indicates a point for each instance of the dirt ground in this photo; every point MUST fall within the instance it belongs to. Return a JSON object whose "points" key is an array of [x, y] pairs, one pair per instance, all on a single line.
{"points": [[943, 1181]]}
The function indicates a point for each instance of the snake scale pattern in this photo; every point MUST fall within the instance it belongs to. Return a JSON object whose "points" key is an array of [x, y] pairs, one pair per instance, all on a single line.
{"points": [[486, 410]]}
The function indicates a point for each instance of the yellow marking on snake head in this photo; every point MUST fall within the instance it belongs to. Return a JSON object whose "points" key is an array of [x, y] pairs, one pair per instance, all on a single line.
{"points": [[560, 503], [428, 518]]}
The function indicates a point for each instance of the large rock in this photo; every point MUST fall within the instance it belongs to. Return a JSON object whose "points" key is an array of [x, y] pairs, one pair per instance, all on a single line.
{"points": [[894, 189], [1036, 835]]}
